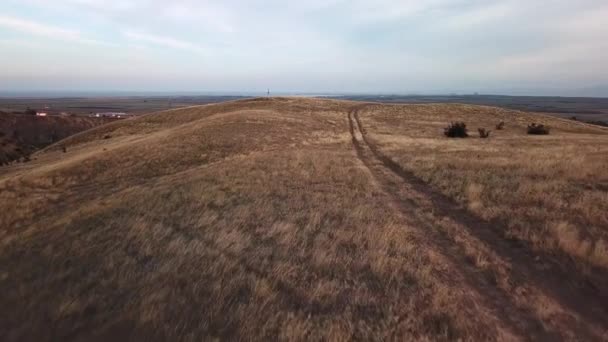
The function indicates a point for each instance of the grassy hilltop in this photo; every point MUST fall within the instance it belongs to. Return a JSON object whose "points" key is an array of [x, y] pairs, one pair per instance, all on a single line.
{"points": [[306, 219]]}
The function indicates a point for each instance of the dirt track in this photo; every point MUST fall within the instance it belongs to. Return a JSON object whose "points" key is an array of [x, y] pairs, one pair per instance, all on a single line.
{"points": [[512, 283]]}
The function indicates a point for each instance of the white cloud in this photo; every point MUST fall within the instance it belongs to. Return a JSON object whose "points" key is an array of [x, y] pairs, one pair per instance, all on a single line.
{"points": [[214, 18], [162, 40], [477, 17], [35, 28], [97, 5], [44, 30]]}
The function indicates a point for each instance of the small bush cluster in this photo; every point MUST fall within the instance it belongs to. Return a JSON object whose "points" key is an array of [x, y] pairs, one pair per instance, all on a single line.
{"points": [[456, 130], [459, 130], [538, 129], [598, 123]]}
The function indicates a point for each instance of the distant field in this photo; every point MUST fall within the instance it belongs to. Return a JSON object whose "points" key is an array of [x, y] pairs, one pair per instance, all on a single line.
{"points": [[591, 109], [307, 219], [88, 105], [584, 108]]}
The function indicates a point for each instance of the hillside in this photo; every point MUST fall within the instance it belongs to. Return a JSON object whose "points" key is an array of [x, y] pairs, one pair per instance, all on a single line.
{"points": [[20, 135], [305, 219]]}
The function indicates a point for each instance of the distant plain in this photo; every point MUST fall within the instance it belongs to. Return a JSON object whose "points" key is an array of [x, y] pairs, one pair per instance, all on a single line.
{"points": [[583, 108]]}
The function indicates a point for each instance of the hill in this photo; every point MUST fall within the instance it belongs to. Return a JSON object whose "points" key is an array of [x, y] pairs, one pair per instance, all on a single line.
{"points": [[306, 219], [21, 135]]}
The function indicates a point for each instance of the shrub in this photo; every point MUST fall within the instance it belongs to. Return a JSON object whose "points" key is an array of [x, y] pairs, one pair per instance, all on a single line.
{"points": [[30, 111], [538, 129], [598, 123], [500, 125], [106, 137], [456, 130], [483, 133]]}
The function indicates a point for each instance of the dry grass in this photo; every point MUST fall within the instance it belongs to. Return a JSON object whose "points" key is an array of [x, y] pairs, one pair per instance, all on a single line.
{"points": [[256, 220], [551, 191]]}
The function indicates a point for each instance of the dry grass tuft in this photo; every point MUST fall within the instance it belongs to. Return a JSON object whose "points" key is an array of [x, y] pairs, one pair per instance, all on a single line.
{"points": [[483, 133]]}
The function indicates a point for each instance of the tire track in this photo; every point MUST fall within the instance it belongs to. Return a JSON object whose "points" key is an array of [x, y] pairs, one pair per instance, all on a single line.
{"points": [[428, 211]]}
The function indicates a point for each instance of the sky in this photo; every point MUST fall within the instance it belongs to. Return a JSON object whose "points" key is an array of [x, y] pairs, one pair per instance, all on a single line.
{"points": [[531, 47]]}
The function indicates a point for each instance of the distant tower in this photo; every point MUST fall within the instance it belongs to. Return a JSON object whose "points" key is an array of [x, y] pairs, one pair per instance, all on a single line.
{"points": [[268, 93]]}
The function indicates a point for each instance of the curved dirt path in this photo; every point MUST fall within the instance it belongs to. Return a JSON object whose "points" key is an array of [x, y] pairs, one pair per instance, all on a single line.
{"points": [[532, 298]]}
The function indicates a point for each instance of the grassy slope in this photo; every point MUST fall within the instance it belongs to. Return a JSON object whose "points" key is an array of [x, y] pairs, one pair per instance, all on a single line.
{"points": [[551, 191], [20, 134], [257, 219]]}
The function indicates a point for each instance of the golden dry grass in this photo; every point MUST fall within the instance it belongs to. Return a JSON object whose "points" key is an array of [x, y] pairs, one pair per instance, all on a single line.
{"points": [[551, 190], [260, 220]]}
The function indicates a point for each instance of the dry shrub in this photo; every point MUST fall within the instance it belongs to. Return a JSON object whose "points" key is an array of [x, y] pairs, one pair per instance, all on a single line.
{"points": [[538, 129], [598, 123], [483, 133], [500, 125], [474, 193], [568, 238], [600, 253], [456, 130]]}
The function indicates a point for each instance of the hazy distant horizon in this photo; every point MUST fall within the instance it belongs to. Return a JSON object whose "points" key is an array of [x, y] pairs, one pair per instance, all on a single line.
{"points": [[142, 93]]}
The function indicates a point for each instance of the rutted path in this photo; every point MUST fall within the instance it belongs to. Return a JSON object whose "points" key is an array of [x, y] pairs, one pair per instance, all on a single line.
{"points": [[532, 300]]}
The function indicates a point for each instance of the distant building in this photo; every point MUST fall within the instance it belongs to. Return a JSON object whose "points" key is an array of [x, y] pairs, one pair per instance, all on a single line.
{"points": [[42, 114], [117, 115]]}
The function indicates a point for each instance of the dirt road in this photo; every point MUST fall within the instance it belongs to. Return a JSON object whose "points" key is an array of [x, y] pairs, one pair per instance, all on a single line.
{"points": [[526, 293]]}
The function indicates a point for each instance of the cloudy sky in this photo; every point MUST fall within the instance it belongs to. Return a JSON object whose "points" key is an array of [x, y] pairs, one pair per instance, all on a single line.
{"points": [[382, 46]]}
